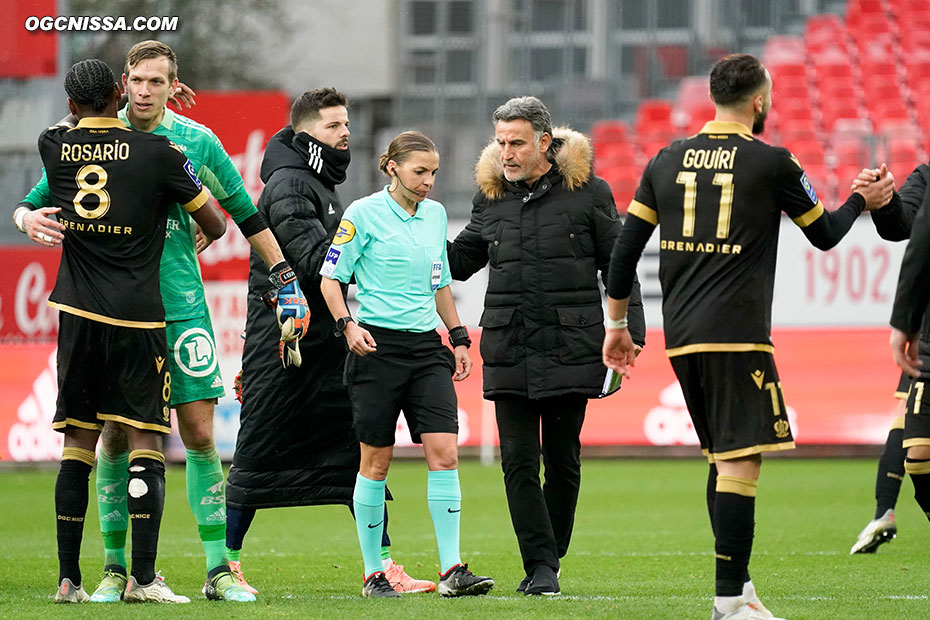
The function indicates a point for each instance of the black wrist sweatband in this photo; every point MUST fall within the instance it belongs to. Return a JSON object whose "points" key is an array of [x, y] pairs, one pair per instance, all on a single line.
{"points": [[458, 336], [253, 224]]}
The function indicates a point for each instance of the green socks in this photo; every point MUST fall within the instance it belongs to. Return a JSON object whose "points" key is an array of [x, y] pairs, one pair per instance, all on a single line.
{"points": [[368, 502], [444, 497], [112, 478], [206, 494]]}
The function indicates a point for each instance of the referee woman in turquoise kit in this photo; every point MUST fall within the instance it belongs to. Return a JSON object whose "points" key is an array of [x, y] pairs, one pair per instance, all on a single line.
{"points": [[394, 243]]}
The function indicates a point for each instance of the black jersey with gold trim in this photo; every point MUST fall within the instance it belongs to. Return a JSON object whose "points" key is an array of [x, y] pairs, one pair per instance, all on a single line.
{"points": [[114, 186], [719, 196]]}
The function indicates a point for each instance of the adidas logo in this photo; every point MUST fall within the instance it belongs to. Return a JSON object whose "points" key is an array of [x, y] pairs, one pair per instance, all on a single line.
{"points": [[112, 516], [217, 382], [331, 210], [315, 158], [218, 517], [216, 488]]}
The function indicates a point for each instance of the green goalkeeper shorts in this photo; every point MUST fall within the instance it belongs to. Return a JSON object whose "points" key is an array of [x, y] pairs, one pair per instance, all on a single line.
{"points": [[193, 362]]}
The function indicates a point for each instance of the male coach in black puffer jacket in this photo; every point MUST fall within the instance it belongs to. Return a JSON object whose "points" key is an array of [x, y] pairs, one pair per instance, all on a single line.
{"points": [[546, 225], [295, 444]]}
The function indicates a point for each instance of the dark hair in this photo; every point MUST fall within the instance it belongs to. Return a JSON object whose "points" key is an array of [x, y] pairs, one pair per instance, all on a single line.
{"points": [[735, 78], [307, 107], [90, 83], [145, 50], [402, 146], [529, 109]]}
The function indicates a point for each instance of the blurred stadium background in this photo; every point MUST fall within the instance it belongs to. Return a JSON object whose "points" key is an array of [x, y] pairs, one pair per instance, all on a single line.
{"points": [[852, 89]]}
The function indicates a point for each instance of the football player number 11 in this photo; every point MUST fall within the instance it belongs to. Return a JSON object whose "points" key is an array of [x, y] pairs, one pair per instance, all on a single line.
{"points": [[721, 179]]}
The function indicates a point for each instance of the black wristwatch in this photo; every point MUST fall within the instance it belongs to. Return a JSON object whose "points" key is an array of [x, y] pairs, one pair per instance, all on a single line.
{"points": [[342, 323]]}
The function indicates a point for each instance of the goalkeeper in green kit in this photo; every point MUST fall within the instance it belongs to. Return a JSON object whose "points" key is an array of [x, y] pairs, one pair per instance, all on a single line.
{"points": [[150, 78]]}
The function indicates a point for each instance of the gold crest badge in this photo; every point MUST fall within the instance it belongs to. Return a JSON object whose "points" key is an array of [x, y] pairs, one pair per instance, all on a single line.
{"points": [[782, 429]]}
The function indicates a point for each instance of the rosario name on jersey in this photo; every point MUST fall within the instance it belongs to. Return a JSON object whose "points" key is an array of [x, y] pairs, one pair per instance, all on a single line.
{"points": [[719, 196], [114, 186]]}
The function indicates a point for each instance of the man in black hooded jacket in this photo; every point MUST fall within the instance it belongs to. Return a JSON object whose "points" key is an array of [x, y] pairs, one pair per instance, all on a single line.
{"points": [[296, 445], [544, 225]]}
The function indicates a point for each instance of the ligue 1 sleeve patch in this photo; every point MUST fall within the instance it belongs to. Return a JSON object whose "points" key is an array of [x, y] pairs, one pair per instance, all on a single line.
{"points": [[345, 233], [330, 262], [806, 184], [189, 169]]}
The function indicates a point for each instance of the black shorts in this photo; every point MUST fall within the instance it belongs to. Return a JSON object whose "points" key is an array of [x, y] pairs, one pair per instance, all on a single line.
{"points": [[917, 414], [410, 371], [735, 401], [904, 384], [109, 372]]}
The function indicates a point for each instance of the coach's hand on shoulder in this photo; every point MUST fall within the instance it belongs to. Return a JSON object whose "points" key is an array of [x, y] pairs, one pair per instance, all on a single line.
{"points": [[182, 96], [359, 340], [879, 191], [41, 229]]}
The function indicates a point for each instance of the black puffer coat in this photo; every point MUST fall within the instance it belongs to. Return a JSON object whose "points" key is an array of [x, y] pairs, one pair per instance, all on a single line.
{"points": [[295, 445], [543, 318]]}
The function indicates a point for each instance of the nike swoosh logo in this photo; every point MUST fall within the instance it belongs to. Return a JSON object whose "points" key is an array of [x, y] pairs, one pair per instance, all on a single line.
{"points": [[450, 510], [370, 526]]}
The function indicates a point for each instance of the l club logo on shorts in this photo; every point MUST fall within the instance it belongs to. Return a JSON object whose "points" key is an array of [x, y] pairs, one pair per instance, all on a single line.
{"points": [[345, 233], [195, 353], [329, 263]]}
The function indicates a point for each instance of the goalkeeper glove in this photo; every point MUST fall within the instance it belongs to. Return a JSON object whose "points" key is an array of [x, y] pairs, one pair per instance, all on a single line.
{"points": [[291, 310], [289, 352]]}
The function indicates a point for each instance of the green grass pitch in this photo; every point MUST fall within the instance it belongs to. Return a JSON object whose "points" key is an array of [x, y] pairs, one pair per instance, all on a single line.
{"points": [[642, 548]]}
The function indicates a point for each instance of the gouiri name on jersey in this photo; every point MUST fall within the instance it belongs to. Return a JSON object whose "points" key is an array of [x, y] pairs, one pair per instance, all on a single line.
{"points": [[710, 159], [91, 227], [95, 152]]}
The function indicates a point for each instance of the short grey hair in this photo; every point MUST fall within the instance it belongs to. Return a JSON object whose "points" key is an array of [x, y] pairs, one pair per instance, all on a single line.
{"points": [[529, 109]]}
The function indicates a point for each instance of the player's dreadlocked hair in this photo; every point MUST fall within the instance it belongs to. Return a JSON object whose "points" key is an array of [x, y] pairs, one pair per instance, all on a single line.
{"points": [[90, 83]]}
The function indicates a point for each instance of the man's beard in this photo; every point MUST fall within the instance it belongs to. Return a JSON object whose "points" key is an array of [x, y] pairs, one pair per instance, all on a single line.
{"points": [[758, 123]]}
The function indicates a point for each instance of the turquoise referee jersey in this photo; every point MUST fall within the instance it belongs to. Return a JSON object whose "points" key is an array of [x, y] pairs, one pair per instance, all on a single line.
{"points": [[399, 261]]}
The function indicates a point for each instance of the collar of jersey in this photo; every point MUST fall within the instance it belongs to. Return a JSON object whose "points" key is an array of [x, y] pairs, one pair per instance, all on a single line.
{"points": [[100, 122], [725, 127], [166, 121], [398, 210]]}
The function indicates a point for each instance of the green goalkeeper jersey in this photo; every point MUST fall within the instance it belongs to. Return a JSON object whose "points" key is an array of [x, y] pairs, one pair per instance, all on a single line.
{"points": [[181, 284]]}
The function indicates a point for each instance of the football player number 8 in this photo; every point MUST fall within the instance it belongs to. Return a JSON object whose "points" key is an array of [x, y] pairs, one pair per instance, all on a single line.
{"points": [[91, 189], [725, 181]]}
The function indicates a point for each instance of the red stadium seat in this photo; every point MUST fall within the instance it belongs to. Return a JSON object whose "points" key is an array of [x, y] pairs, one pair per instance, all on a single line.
{"points": [[623, 181], [808, 152], [611, 154], [609, 131], [797, 129], [851, 152], [654, 115]]}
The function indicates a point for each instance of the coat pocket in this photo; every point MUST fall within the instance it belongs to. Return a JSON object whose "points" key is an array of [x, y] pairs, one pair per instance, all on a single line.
{"points": [[581, 334], [498, 336]]}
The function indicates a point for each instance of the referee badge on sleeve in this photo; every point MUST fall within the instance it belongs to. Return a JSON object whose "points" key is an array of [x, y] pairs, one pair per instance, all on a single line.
{"points": [[329, 263], [436, 275]]}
